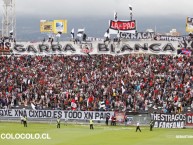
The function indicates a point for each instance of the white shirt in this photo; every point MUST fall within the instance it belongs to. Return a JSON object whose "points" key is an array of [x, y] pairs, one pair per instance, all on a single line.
{"points": [[137, 123]]}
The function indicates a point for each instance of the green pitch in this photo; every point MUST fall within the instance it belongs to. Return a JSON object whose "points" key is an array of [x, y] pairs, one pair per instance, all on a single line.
{"points": [[101, 135]]}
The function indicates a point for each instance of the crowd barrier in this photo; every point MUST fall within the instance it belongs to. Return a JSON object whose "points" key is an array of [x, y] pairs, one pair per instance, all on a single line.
{"points": [[99, 117]]}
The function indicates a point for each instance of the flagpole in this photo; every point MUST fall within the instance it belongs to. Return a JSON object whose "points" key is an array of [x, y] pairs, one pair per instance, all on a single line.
{"points": [[130, 9], [131, 15]]}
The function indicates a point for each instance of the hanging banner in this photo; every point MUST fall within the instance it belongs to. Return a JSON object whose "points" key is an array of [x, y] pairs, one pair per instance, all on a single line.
{"points": [[138, 35], [189, 119], [169, 120], [120, 116], [122, 26], [170, 38], [112, 48], [49, 114], [189, 24], [46, 26], [60, 26]]}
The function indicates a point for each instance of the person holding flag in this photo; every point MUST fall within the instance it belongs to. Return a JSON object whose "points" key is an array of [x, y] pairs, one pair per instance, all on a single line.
{"points": [[107, 36]]}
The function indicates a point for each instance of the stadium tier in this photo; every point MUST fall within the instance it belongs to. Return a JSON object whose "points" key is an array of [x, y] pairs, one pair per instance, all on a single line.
{"points": [[136, 82]]}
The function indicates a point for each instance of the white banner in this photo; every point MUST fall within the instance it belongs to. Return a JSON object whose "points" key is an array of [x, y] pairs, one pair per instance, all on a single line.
{"points": [[49, 114], [96, 47]]}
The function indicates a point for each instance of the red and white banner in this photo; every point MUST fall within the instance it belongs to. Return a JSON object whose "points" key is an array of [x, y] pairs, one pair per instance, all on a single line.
{"points": [[120, 116], [189, 119], [122, 26]]}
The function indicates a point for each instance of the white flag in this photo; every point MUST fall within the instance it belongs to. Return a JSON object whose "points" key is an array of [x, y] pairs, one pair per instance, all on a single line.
{"points": [[72, 33], [33, 106], [73, 105], [102, 104], [80, 32], [107, 34], [58, 35], [115, 16], [130, 8]]}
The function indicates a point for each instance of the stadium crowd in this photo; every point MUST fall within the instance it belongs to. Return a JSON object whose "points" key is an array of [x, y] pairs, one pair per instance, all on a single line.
{"points": [[135, 82]]}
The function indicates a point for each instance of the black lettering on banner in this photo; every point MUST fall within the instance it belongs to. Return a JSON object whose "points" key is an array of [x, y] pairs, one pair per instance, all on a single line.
{"points": [[43, 48], [31, 48], [85, 115], [49, 114], [107, 114], [126, 48], [169, 47], [96, 115], [138, 46], [43, 113], [65, 114], [69, 47], [155, 47], [59, 114], [19, 48], [35, 113], [5, 113], [188, 44], [39, 114], [16, 113], [101, 115], [182, 44], [70, 115], [74, 115], [90, 115], [79, 115], [102, 47], [9, 113], [56, 47], [55, 114], [31, 113]]}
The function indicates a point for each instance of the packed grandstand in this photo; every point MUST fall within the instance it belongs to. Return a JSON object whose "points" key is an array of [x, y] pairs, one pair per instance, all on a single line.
{"points": [[135, 82]]}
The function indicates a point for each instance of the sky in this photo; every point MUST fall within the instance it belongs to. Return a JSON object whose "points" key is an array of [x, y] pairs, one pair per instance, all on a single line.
{"points": [[94, 14], [100, 8]]}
